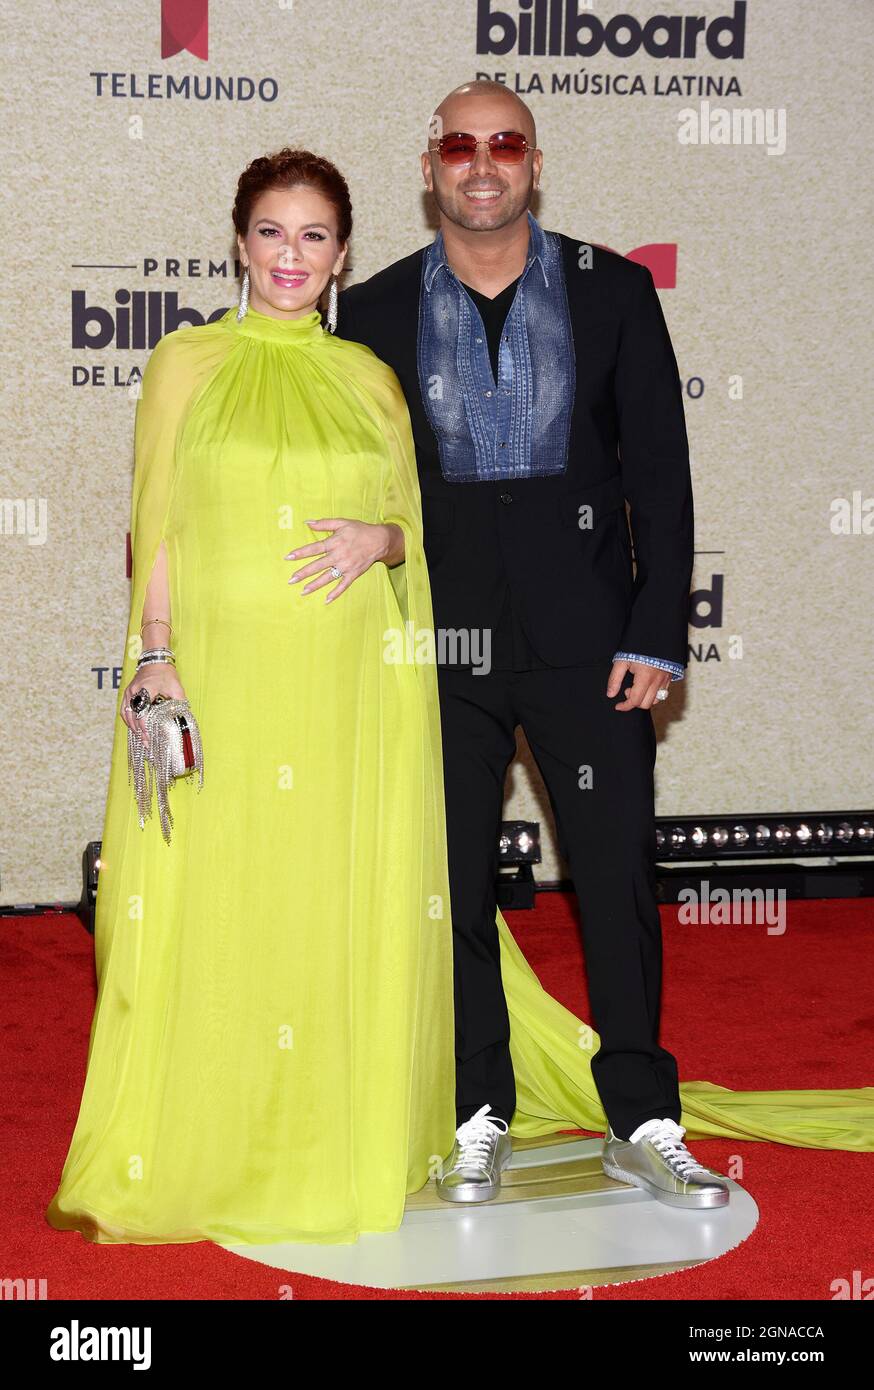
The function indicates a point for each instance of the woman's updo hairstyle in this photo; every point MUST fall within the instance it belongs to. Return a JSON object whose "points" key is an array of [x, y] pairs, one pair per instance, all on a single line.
{"points": [[289, 168]]}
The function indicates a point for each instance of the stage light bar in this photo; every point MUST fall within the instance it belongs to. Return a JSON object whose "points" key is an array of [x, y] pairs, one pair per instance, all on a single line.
{"points": [[831, 834]]}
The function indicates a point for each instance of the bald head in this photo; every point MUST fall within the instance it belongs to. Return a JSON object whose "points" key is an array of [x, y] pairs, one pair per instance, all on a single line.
{"points": [[471, 99], [467, 104]]}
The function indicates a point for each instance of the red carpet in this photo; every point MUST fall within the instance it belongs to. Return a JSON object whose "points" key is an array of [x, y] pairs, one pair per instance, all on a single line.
{"points": [[740, 1008]]}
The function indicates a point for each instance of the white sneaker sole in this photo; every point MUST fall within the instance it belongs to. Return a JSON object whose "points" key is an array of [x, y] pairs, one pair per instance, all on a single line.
{"points": [[700, 1201]]}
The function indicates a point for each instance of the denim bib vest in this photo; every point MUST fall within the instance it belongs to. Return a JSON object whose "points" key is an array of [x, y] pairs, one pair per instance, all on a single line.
{"points": [[519, 426]]}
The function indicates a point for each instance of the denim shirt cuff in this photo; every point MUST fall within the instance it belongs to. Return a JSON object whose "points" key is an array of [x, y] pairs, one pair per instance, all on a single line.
{"points": [[677, 671]]}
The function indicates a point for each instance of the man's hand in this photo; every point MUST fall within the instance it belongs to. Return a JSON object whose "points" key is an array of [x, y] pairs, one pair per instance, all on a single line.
{"points": [[352, 548], [647, 682]]}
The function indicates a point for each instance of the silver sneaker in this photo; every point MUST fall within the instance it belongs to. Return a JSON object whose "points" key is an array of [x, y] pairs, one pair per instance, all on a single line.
{"points": [[481, 1152], [659, 1162]]}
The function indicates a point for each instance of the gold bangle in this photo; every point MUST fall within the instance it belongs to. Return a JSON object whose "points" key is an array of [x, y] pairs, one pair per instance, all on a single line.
{"points": [[149, 621]]}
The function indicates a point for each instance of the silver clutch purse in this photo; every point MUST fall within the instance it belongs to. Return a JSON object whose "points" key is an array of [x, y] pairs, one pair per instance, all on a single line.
{"points": [[175, 750]]}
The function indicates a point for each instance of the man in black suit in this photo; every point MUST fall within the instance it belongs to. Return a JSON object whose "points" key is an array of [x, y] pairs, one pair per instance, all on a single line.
{"points": [[543, 392]]}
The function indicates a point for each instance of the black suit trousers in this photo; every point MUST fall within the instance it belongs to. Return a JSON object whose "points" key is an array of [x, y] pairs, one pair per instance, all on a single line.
{"points": [[597, 765]]}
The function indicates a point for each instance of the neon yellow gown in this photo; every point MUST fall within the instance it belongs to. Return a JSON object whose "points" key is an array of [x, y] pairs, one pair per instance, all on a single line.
{"points": [[271, 1055]]}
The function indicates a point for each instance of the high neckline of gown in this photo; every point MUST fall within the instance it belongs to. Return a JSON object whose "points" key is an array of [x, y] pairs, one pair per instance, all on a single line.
{"points": [[293, 332]]}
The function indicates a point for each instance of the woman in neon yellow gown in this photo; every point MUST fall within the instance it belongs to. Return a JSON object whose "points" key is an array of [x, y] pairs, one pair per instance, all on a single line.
{"points": [[272, 1052]]}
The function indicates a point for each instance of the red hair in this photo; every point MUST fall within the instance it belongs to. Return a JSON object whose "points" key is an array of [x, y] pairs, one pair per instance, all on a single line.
{"points": [[289, 168]]}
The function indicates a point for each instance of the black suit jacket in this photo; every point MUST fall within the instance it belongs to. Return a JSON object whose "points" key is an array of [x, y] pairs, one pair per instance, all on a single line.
{"points": [[574, 590]]}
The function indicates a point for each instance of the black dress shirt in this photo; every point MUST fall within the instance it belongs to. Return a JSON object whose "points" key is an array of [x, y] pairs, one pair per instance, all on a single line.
{"points": [[510, 648]]}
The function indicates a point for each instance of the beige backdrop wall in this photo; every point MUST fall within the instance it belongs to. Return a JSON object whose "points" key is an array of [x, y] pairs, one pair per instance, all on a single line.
{"points": [[117, 189]]}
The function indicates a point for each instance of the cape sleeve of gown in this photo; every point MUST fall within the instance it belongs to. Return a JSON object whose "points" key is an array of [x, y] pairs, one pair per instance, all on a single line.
{"points": [[402, 505], [381, 395], [179, 365]]}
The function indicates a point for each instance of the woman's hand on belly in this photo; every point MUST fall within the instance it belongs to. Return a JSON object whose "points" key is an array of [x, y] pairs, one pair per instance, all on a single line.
{"points": [[351, 548]]}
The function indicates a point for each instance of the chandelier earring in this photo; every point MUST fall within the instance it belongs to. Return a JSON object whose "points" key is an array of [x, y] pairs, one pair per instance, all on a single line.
{"points": [[244, 296], [332, 306]]}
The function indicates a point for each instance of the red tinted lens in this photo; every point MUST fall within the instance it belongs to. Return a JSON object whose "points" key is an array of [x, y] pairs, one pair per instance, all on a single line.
{"points": [[507, 148], [457, 149]]}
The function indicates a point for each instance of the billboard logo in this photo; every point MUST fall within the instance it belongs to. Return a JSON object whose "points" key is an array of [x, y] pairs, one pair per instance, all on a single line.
{"points": [[184, 25], [556, 28]]}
